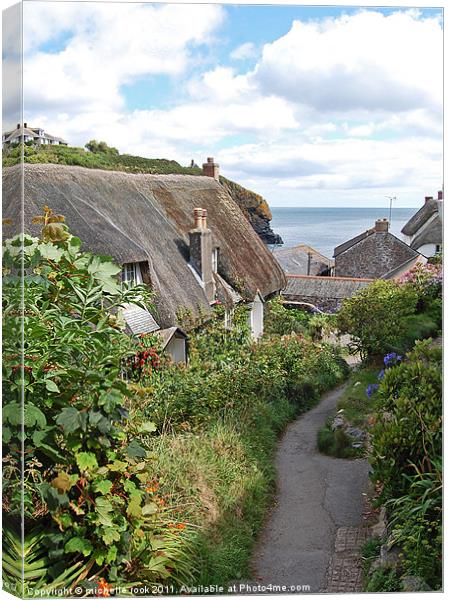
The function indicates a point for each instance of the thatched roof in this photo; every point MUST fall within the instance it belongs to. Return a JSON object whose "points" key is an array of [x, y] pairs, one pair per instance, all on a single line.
{"points": [[302, 260], [303, 286], [431, 233], [146, 218], [420, 217]]}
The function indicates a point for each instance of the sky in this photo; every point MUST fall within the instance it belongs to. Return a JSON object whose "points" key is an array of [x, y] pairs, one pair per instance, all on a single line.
{"points": [[327, 106]]}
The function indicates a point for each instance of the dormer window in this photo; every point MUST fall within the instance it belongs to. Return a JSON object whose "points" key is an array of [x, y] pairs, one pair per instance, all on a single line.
{"points": [[131, 273]]}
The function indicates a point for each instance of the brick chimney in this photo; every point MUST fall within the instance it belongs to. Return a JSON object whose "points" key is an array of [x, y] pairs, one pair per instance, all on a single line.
{"points": [[381, 225], [427, 198], [211, 168], [201, 252]]}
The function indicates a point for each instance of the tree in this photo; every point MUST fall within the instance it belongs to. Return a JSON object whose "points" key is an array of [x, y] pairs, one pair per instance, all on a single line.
{"points": [[375, 316], [101, 148]]}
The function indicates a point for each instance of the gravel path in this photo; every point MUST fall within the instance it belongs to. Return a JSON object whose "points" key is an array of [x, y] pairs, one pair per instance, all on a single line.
{"points": [[317, 495]]}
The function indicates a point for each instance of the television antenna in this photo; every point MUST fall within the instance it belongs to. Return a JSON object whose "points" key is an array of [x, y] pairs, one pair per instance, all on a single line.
{"points": [[390, 198]]}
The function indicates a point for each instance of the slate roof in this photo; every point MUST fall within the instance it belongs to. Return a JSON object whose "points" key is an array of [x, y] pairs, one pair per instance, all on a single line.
{"points": [[353, 241], [404, 267], [302, 286], [295, 261], [139, 320], [147, 218], [420, 217]]}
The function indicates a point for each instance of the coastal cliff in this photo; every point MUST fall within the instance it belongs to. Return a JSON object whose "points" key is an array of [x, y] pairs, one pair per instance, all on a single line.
{"points": [[254, 207]]}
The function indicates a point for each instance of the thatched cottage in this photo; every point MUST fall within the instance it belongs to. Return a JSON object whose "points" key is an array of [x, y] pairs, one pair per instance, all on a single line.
{"points": [[375, 253], [183, 235], [424, 231]]}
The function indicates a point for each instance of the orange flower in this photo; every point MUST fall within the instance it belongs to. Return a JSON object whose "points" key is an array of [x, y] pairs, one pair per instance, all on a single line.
{"points": [[152, 487], [181, 526], [104, 588]]}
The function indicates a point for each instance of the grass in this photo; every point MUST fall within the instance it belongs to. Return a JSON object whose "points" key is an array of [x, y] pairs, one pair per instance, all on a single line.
{"points": [[71, 155], [355, 407], [370, 551], [354, 402], [222, 480]]}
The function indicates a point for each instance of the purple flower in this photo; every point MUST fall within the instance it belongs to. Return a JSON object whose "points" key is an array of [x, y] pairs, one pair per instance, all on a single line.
{"points": [[371, 389], [392, 359], [381, 374]]}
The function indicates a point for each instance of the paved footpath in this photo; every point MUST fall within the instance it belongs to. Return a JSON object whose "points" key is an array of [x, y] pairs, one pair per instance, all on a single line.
{"points": [[318, 496]]}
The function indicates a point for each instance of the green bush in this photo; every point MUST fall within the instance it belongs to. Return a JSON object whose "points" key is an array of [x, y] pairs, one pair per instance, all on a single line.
{"points": [[406, 457], [375, 316], [85, 468], [283, 321], [384, 579]]}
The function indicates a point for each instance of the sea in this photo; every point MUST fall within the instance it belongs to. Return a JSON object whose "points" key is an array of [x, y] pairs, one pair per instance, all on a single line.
{"points": [[325, 228]]}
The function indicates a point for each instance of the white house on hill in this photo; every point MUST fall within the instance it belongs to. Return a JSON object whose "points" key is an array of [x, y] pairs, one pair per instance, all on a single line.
{"points": [[30, 134]]}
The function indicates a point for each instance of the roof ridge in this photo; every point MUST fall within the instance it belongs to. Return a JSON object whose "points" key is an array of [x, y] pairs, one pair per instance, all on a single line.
{"points": [[329, 277]]}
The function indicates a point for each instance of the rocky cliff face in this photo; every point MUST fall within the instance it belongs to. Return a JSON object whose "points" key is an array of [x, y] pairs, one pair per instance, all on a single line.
{"points": [[256, 210]]}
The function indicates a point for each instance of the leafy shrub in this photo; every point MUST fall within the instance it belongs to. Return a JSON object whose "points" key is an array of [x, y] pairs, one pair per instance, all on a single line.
{"points": [[417, 523], [406, 457], [408, 429], [375, 316], [336, 443], [283, 321], [86, 469], [384, 579]]}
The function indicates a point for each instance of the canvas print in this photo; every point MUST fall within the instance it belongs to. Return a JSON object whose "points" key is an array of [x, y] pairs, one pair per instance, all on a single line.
{"points": [[222, 299]]}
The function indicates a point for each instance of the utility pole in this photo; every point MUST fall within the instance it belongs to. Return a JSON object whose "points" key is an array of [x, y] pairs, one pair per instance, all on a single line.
{"points": [[391, 198]]}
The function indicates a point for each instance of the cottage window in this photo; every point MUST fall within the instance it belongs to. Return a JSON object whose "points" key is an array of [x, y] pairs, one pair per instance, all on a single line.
{"points": [[131, 273]]}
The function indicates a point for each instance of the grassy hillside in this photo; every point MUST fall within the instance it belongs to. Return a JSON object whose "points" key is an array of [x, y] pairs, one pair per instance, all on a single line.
{"points": [[68, 155]]}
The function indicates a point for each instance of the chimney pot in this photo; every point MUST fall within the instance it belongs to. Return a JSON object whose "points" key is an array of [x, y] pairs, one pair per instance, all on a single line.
{"points": [[427, 198], [204, 218], [211, 168], [440, 195], [18, 125], [381, 225], [198, 216], [25, 125]]}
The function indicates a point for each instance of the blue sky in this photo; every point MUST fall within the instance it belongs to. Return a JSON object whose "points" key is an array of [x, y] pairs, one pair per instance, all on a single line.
{"points": [[306, 105]]}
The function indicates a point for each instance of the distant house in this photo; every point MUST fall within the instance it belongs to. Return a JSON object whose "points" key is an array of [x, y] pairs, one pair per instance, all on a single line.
{"points": [[303, 260], [323, 293], [373, 254], [182, 235], [30, 134], [424, 231]]}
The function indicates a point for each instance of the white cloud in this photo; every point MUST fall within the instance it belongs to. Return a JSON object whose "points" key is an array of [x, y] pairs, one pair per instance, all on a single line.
{"points": [[109, 46], [365, 61], [311, 105], [244, 51]]}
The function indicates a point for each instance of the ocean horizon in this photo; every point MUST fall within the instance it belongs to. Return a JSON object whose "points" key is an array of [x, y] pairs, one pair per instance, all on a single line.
{"points": [[324, 228]]}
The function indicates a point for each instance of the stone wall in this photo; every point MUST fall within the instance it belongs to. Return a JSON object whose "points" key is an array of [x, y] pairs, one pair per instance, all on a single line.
{"points": [[374, 256]]}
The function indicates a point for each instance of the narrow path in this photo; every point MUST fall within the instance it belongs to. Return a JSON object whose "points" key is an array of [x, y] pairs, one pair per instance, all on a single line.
{"points": [[316, 496]]}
